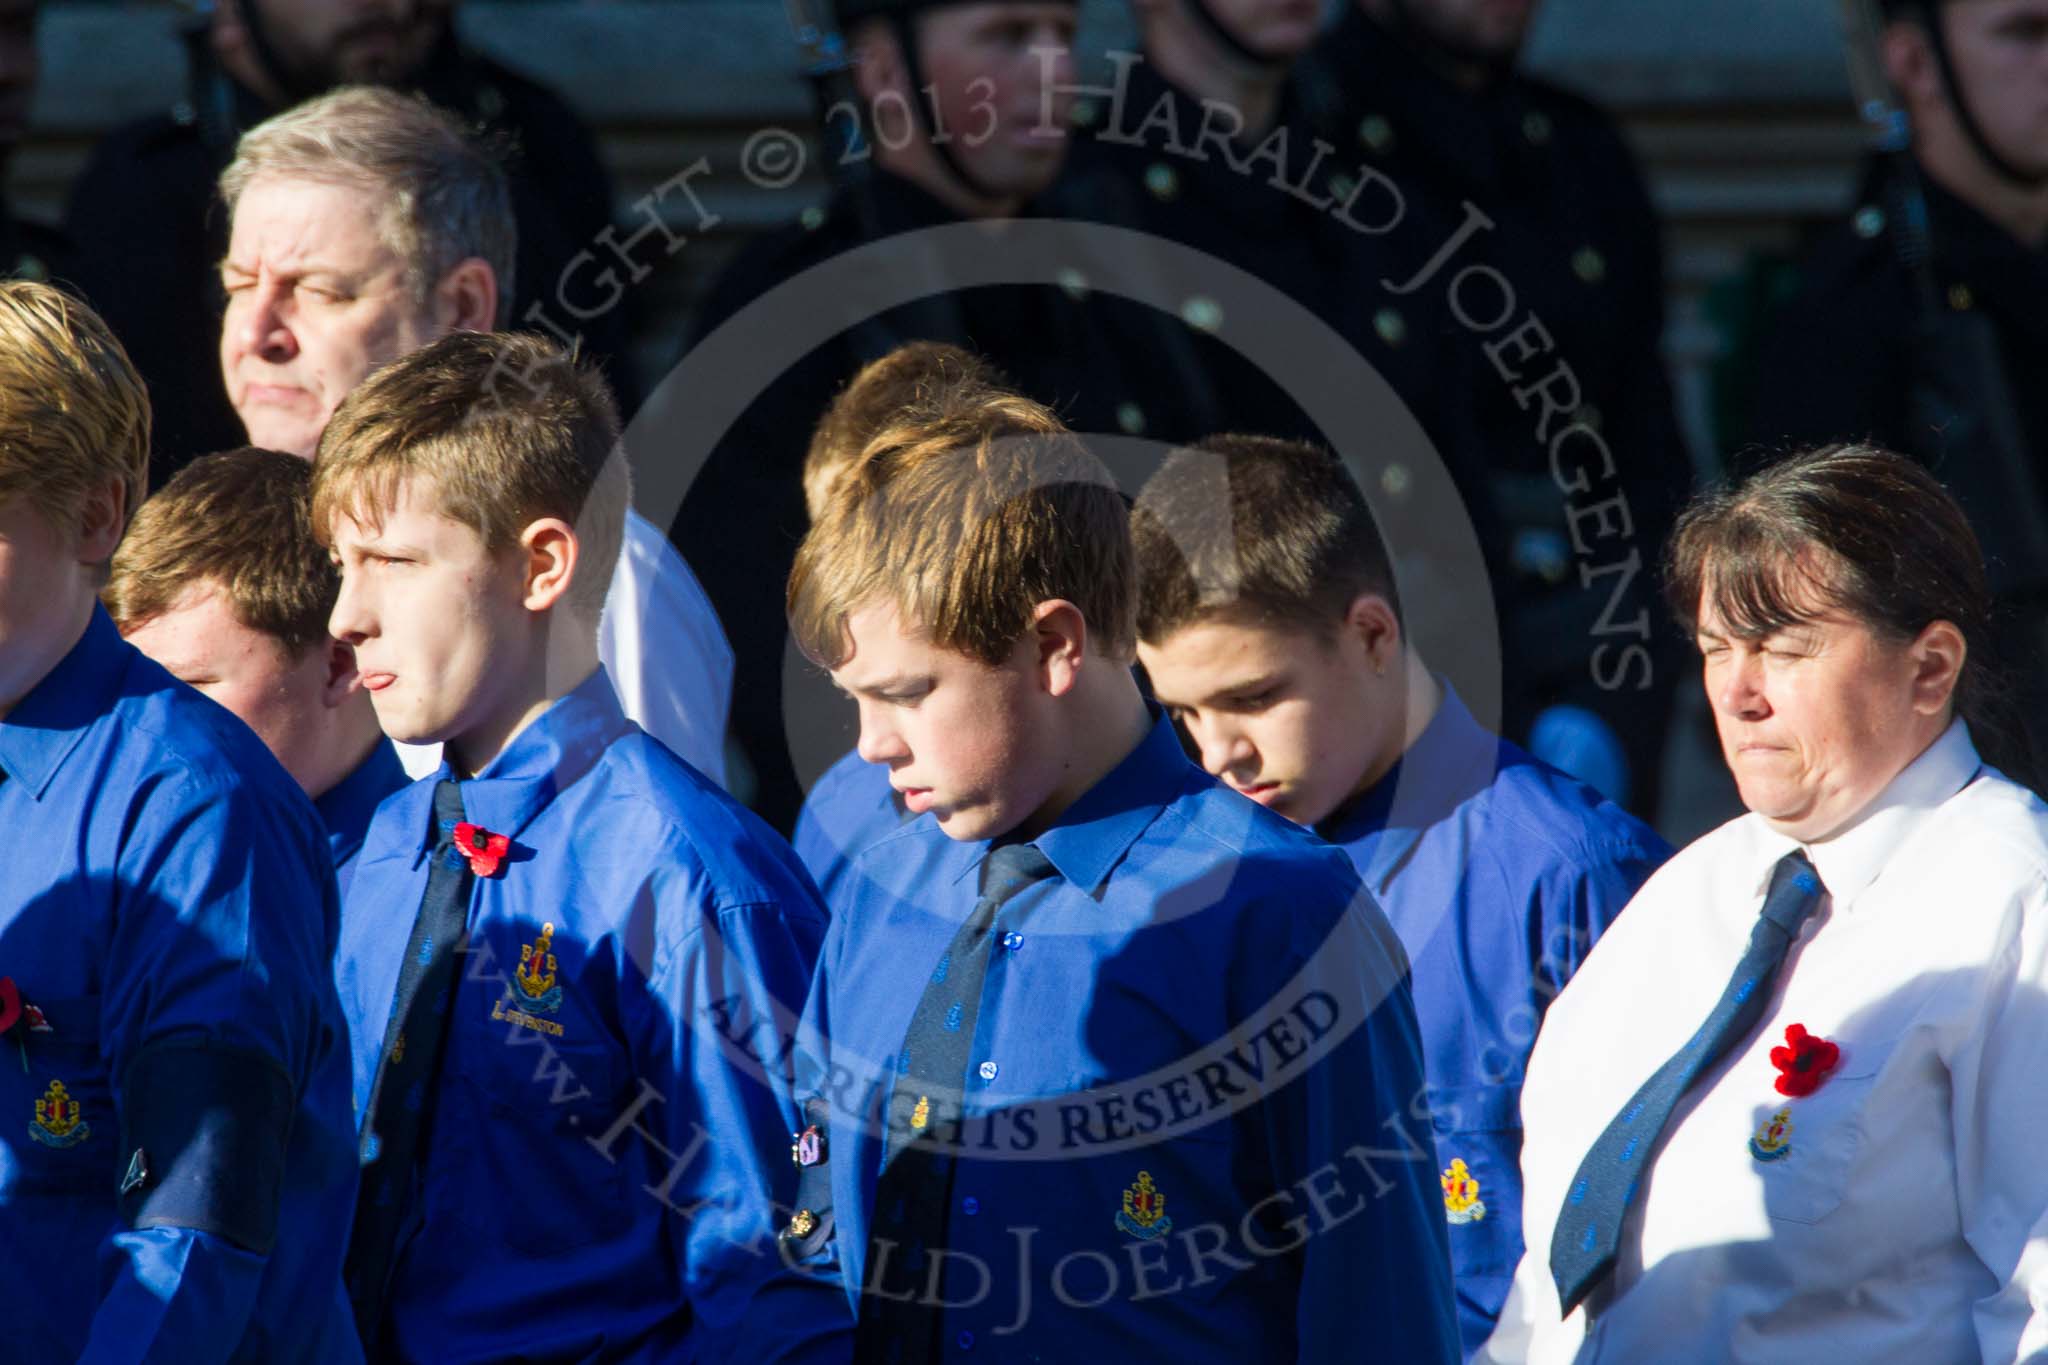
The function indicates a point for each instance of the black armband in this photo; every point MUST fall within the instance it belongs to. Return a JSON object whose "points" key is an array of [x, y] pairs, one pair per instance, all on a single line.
{"points": [[203, 1136]]}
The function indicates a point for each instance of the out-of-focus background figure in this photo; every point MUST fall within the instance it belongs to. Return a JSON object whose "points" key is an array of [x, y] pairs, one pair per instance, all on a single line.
{"points": [[1718, 144], [149, 226]]}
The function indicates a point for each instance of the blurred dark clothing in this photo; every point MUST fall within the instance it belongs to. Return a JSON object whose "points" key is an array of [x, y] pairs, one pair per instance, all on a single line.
{"points": [[1932, 344], [150, 229], [1870, 347], [31, 250], [744, 515], [1151, 172], [1577, 240]]}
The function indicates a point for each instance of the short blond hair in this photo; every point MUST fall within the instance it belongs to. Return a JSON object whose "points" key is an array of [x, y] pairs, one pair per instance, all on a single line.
{"points": [[504, 428], [73, 411], [242, 521], [444, 193], [965, 523], [915, 374]]}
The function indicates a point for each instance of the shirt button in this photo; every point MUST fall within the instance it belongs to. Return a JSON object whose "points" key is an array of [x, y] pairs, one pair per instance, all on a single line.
{"points": [[970, 1206], [1012, 942], [965, 1341], [988, 1071]]}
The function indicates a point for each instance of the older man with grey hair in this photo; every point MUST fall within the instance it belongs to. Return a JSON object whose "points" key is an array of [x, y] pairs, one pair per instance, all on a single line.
{"points": [[366, 224]]}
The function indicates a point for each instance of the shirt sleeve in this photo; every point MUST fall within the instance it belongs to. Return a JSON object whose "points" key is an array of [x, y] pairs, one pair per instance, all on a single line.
{"points": [[1360, 1163], [1999, 1114], [665, 651], [219, 936], [1582, 897], [735, 985]]}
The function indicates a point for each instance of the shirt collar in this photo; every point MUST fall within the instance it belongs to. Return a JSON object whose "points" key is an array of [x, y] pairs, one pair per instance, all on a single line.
{"points": [[44, 726], [346, 807], [1851, 859], [1091, 837], [544, 759], [1452, 760]]}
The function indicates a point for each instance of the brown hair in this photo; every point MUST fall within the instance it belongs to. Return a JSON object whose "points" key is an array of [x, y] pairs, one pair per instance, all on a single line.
{"points": [[241, 520], [443, 194], [506, 426], [1861, 531], [966, 522], [1254, 529], [73, 412], [916, 374]]}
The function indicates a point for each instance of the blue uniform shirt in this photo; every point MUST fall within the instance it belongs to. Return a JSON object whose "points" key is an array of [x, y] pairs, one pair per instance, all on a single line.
{"points": [[1498, 872], [1185, 1137], [163, 878], [346, 807], [597, 1177], [849, 808]]}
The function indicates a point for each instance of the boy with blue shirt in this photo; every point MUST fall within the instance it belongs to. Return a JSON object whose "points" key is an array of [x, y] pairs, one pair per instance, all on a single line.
{"points": [[176, 1156], [1103, 1062], [1271, 630], [567, 958], [221, 581], [905, 395]]}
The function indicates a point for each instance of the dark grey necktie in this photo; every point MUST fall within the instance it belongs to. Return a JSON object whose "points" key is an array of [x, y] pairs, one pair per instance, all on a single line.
{"points": [[913, 1196], [1588, 1229], [401, 1095]]}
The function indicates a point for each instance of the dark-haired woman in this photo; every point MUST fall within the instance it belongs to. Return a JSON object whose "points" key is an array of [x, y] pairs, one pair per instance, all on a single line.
{"points": [[1793, 1105]]}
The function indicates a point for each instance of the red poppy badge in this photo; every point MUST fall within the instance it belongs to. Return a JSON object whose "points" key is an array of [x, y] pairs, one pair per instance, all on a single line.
{"points": [[484, 850], [1804, 1062]]}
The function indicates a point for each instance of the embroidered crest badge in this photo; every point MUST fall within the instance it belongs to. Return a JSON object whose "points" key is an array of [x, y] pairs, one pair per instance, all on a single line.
{"points": [[922, 1114], [59, 1121], [1461, 1194], [1144, 1211], [1773, 1137], [535, 978]]}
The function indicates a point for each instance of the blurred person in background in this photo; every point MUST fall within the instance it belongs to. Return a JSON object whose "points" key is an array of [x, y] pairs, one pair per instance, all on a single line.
{"points": [[1921, 320], [149, 229], [1567, 432], [28, 250]]}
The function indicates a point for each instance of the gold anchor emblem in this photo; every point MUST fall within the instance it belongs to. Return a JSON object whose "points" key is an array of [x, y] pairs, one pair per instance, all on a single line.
{"points": [[1773, 1137], [59, 1121], [921, 1115], [536, 973], [1144, 1211], [1461, 1194]]}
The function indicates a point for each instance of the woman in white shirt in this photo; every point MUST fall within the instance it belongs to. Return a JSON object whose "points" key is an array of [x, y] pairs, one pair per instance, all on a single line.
{"points": [[1793, 1105]]}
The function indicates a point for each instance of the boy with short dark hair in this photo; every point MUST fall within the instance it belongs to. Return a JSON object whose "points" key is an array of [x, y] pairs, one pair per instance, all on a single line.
{"points": [[221, 580], [1272, 632], [1020, 1024], [567, 1143]]}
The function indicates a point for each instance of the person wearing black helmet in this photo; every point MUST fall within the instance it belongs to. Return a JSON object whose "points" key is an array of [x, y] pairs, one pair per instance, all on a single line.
{"points": [[1571, 423], [1921, 320], [964, 112], [152, 273]]}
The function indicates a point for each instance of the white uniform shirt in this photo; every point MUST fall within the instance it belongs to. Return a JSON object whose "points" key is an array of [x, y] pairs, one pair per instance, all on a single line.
{"points": [[1894, 1221], [667, 655]]}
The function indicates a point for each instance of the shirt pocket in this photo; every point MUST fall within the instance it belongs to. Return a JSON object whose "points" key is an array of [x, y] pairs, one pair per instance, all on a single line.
{"points": [[520, 1107], [1478, 1132], [1804, 1148], [57, 1088]]}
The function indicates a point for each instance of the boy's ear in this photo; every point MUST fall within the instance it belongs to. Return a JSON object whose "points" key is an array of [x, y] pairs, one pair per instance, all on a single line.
{"points": [[550, 550], [342, 677], [1059, 640], [1371, 619], [101, 520]]}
